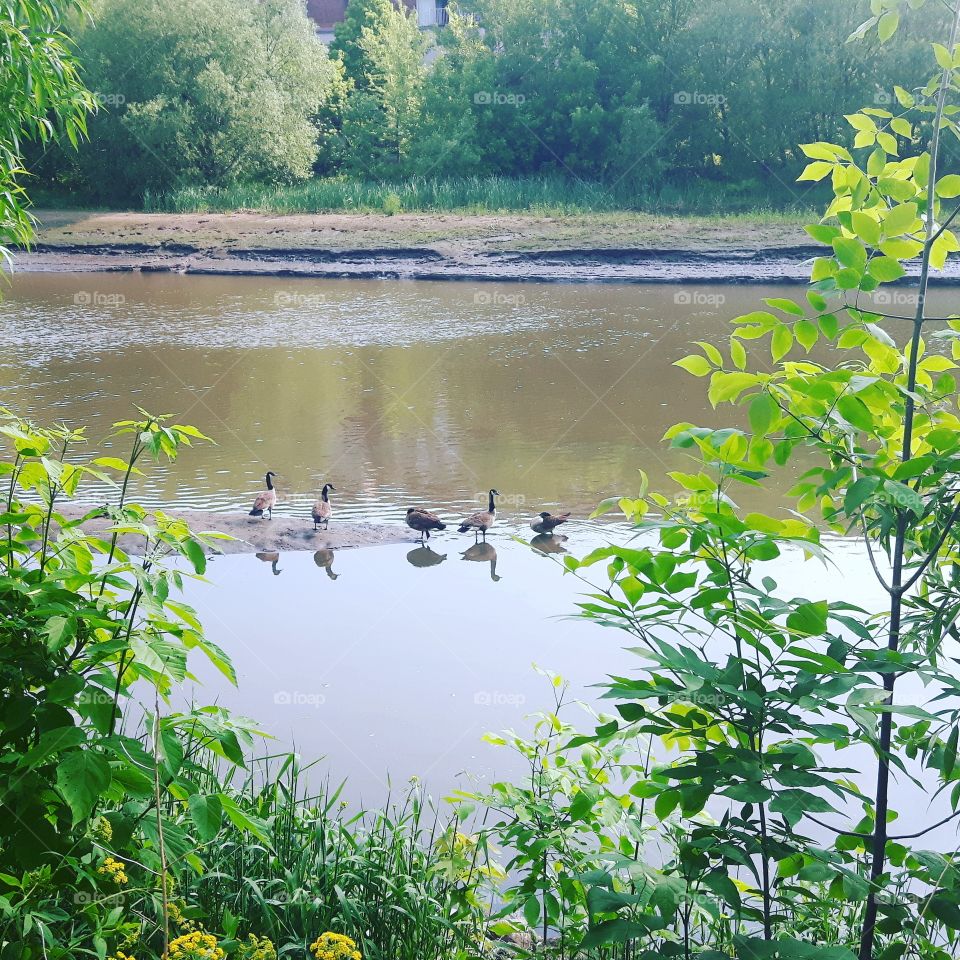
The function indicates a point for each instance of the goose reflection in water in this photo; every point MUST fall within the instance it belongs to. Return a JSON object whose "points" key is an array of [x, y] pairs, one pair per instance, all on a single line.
{"points": [[549, 543], [273, 559], [424, 557], [324, 560], [484, 552]]}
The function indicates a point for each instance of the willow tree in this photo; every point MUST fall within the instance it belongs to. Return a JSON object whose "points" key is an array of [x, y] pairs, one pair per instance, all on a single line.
{"points": [[41, 98]]}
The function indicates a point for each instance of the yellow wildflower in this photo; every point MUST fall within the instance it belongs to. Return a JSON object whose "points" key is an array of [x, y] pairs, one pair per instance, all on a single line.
{"points": [[103, 830], [113, 870], [195, 946], [120, 955], [334, 946], [176, 915], [257, 948]]}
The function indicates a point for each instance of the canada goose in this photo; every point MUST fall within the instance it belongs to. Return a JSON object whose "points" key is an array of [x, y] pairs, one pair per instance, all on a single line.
{"points": [[322, 510], [267, 500], [483, 553], [483, 521], [423, 522], [324, 560], [424, 557], [273, 559], [548, 543], [548, 523]]}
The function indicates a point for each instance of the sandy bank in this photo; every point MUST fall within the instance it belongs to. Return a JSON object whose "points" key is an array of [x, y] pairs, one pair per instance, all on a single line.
{"points": [[280, 535], [595, 248], [619, 248]]}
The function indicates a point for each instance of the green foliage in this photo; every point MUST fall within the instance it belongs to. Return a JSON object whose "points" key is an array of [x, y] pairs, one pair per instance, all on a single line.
{"points": [[41, 99], [212, 91], [647, 105], [382, 114], [360, 15], [547, 195], [398, 881], [563, 824], [87, 802], [766, 695]]}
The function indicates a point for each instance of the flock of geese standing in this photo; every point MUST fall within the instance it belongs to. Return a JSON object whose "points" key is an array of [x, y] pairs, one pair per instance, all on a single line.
{"points": [[422, 521]]}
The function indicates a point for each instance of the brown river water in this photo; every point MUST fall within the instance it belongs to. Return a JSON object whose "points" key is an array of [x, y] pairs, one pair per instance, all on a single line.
{"points": [[392, 661]]}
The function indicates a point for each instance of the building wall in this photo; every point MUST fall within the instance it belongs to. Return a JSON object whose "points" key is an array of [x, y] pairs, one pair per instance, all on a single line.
{"points": [[327, 13]]}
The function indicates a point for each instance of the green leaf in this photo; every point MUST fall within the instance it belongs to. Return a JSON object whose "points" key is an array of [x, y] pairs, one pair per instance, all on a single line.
{"points": [[206, 813], [809, 618], [900, 219], [944, 58], [82, 776], [780, 343], [945, 910], [531, 911], [194, 553], [816, 171], [949, 186], [888, 24], [851, 253], [764, 413], [612, 931], [856, 413], [806, 333], [866, 228], [695, 364], [886, 269], [242, 820]]}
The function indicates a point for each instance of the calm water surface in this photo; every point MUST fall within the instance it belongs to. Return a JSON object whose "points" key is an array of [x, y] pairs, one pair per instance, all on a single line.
{"points": [[397, 392], [390, 661]]}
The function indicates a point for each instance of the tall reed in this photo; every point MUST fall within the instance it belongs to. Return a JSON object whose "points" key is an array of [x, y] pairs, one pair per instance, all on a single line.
{"points": [[400, 881], [545, 195]]}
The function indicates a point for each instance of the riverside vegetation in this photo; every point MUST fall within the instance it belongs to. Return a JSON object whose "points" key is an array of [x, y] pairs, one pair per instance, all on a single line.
{"points": [[715, 812], [545, 104]]}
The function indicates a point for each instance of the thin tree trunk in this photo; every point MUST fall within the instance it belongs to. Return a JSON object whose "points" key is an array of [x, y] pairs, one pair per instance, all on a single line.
{"points": [[881, 806]]}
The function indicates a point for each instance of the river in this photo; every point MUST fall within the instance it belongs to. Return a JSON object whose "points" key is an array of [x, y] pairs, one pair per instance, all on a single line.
{"points": [[391, 661]]}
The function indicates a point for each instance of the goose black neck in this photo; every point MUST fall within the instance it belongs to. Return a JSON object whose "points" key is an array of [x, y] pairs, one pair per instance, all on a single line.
{"points": [[269, 481], [493, 505], [325, 493]]}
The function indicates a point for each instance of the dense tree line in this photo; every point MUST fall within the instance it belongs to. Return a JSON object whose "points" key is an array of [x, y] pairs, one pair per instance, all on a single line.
{"points": [[627, 92]]}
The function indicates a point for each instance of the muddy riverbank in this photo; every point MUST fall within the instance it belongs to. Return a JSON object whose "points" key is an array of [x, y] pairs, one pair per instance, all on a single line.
{"points": [[253, 535], [623, 248]]}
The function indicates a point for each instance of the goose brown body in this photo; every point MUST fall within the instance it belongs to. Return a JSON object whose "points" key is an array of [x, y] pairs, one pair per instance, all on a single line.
{"points": [[423, 522], [481, 522], [548, 522], [266, 500], [323, 509]]}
